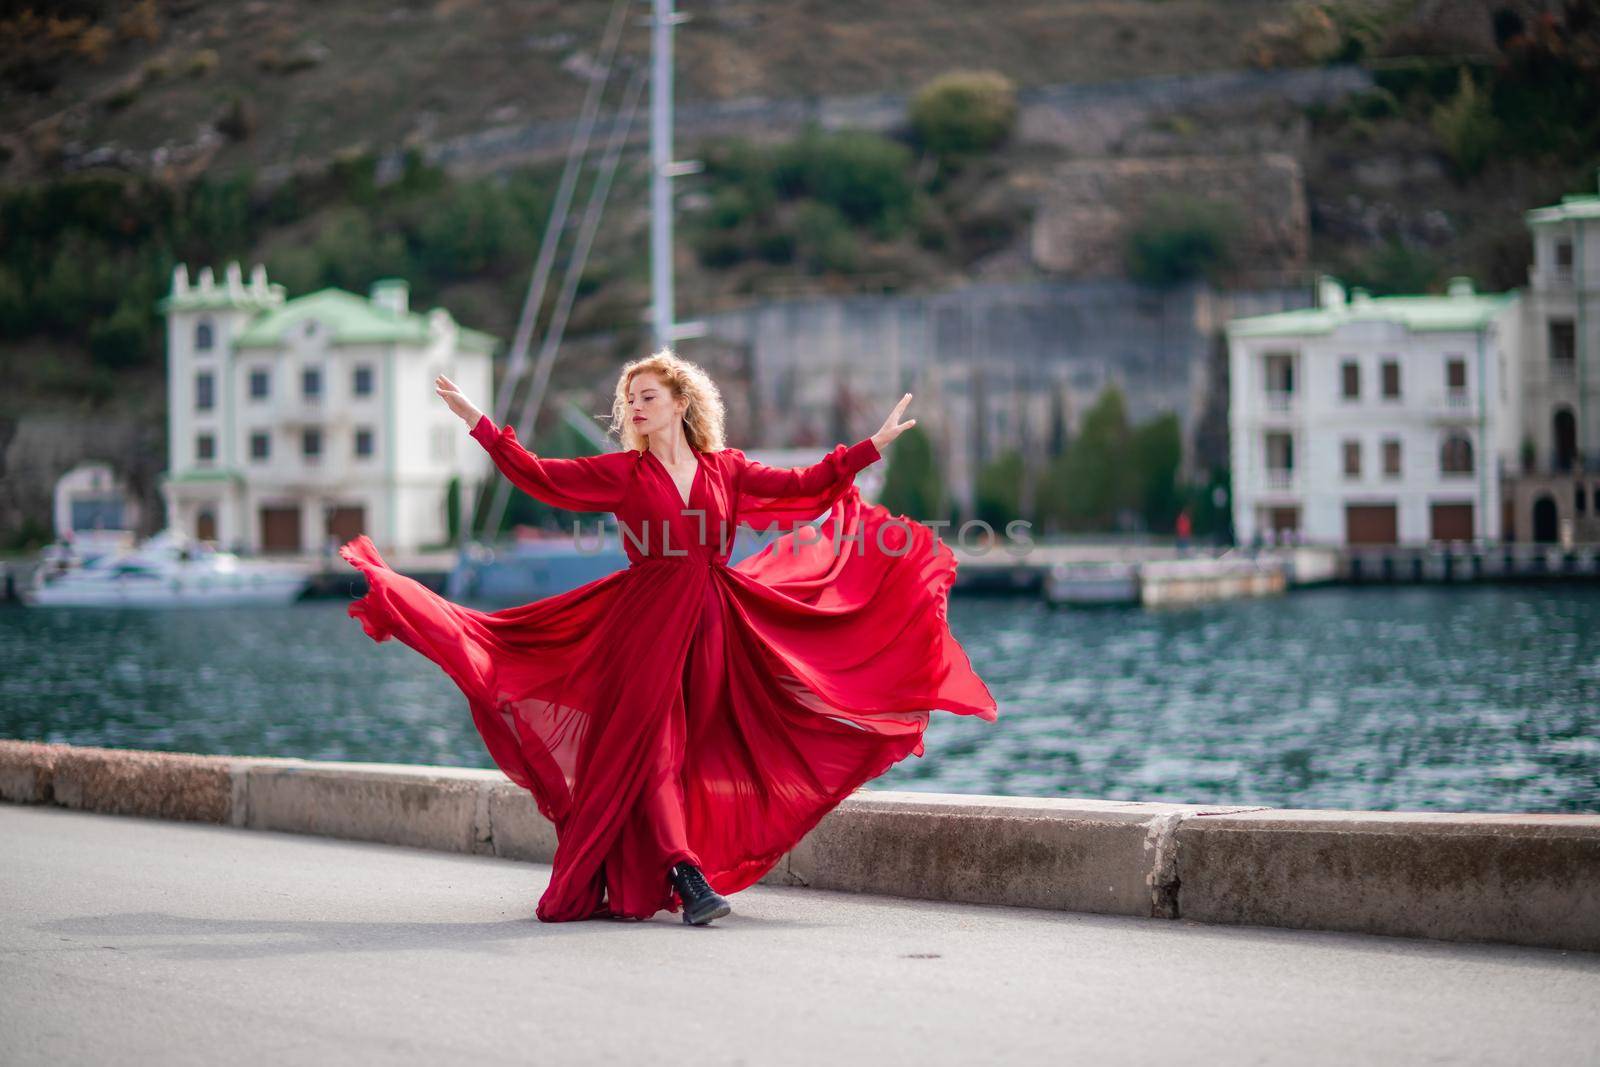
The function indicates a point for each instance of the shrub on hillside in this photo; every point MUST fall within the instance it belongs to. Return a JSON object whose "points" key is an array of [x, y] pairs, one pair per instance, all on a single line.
{"points": [[1467, 127], [126, 339], [964, 112], [1304, 37], [1395, 268], [1179, 238], [823, 238], [866, 178]]}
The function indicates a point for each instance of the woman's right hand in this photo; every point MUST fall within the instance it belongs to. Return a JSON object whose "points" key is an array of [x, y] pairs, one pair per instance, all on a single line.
{"points": [[458, 403]]}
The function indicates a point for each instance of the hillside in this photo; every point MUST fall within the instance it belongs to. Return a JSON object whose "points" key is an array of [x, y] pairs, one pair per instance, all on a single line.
{"points": [[1394, 142], [316, 78]]}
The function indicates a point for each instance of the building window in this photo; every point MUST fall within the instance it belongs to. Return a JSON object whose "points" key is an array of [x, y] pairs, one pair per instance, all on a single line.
{"points": [[205, 447], [1455, 381], [205, 392], [1391, 457], [260, 384], [1563, 348], [1391, 379], [1350, 380], [204, 336], [1279, 368], [1455, 455], [364, 442], [361, 384], [260, 446], [1352, 459], [1280, 460], [1580, 499], [1564, 431], [311, 383], [311, 443], [444, 444], [1563, 255]]}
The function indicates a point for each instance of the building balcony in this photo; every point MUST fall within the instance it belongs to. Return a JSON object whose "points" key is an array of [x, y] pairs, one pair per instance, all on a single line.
{"points": [[296, 411], [1278, 479], [1277, 401], [1450, 405], [311, 475], [1548, 278]]}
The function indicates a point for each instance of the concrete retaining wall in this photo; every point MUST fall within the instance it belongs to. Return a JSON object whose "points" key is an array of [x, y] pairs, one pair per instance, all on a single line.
{"points": [[1519, 879]]}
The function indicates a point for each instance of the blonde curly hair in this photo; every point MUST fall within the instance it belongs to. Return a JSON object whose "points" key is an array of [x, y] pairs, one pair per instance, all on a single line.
{"points": [[702, 419]]}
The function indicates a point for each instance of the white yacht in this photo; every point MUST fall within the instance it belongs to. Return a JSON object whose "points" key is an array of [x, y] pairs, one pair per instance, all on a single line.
{"points": [[170, 570]]}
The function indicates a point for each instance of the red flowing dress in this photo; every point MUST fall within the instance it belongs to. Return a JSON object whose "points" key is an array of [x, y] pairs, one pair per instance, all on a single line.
{"points": [[687, 709]]}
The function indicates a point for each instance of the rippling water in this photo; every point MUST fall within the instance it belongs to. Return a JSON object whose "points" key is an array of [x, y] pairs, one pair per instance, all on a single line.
{"points": [[1453, 699]]}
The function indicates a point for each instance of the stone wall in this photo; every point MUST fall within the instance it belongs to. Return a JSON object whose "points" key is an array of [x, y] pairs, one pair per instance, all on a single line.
{"points": [[1517, 879], [992, 367], [36, 450]]}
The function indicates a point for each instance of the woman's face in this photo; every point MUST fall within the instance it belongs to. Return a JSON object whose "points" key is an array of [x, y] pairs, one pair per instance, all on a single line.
{"points": [[651, 406]]}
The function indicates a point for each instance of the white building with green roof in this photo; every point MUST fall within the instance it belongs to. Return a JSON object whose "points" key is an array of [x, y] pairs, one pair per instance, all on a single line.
{"points": [[293, 422], [1374, 420], [1556, 492], [1408, 419]]}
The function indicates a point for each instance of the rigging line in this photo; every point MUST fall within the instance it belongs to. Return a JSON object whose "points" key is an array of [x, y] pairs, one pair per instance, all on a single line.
{"points": [[559, 208], [569, 287]]}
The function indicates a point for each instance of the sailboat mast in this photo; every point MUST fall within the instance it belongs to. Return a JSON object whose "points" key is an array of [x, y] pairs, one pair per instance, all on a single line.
{"points": [[661, 172]]}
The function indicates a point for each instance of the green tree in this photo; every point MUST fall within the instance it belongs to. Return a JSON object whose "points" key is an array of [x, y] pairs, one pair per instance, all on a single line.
{"points": [[912, 486], [999, 490], [1157, 453], [1087, 486]]}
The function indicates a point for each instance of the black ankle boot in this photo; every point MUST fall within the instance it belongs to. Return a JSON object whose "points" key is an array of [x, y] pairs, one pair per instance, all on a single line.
{"points": [[701, 903]]}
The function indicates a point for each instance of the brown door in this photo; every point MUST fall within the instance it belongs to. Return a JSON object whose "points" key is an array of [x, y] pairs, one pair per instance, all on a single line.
{"points": [[1284, 520], [205, 526], [1451, 522], [345, 523], [280, 529], [1370, 524]]}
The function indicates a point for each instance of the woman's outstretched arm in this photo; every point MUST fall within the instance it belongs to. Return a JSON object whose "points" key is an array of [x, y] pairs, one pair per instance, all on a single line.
{"points": [[587, 483], [768, 495]]}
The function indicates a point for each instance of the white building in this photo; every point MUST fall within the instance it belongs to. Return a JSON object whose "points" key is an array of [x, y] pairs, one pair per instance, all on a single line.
{"points": [[1374, 420], [293, 422], [90, 498], [1557, 486]]}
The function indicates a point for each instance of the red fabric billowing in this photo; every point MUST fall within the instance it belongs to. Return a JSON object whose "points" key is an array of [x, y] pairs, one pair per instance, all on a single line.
{"points": [[683, 708]]}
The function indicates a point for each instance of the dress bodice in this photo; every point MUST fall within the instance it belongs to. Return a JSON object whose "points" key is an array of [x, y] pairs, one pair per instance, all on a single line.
{"points": [[654, 523]]}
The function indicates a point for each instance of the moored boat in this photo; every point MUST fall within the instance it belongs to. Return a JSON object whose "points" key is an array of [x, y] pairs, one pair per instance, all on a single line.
{"points": [[170, 570]]}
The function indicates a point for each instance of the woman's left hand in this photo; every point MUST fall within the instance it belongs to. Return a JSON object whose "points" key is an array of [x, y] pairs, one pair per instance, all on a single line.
{"points": [[892, 426]]}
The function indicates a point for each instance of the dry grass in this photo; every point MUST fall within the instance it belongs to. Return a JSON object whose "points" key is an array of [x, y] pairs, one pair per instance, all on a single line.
{"points": [[323, 75]]}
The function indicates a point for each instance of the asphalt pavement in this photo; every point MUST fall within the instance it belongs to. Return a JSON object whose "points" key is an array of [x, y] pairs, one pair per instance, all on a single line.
{"points": [[127, 940]]}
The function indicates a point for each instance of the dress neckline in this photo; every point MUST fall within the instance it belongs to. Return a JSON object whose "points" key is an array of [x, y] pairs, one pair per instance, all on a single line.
{"points": [[699, 466]]}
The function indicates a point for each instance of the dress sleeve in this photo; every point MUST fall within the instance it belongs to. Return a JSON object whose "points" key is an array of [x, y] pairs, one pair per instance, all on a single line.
{"points": [[768, 495], [585, 483]]}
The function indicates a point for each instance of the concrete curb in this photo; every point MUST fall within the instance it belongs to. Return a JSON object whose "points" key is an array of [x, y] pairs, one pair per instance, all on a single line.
{"points": [[1517, 879]]}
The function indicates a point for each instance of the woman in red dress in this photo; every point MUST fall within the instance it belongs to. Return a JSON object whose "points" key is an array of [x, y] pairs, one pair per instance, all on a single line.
{"points": [[684, 722]]}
